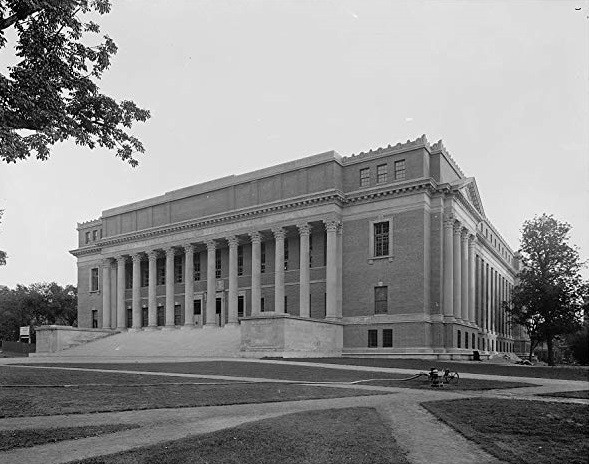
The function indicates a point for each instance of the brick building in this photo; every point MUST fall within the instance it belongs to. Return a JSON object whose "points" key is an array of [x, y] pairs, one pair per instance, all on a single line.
{"points": [[387, 252]]}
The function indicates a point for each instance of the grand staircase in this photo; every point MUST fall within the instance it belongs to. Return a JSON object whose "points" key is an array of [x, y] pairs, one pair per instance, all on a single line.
{"points": [[194, 342]]}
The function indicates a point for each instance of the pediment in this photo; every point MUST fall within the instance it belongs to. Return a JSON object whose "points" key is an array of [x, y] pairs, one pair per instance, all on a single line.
{"points": [[468, 188]]}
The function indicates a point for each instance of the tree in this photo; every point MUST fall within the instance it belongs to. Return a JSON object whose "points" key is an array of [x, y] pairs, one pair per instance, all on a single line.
{"points": [[548, 298], [51, 94]]}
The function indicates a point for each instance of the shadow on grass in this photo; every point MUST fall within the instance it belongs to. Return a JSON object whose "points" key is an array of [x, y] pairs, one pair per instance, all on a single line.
{"points": [[520, 431], [353, 435], [581, 394]]}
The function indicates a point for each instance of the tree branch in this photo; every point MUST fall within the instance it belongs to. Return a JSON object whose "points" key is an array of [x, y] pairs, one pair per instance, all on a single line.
{"points": [[5, 23]]}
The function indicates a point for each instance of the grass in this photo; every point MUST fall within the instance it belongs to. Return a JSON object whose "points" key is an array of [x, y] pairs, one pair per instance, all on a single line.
{"points": [[461, 385], [90, 399], [547, 372], [10, 439], [520, 431], [353, 435], [582, 394]]}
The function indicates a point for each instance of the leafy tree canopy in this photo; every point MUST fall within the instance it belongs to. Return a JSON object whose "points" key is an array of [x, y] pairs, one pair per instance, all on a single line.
{"points": [[2, 253], [37, 304], [51, 94], [548, 298]]}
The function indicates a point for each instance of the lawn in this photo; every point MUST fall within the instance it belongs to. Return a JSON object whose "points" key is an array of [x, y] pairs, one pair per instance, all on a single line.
{"points": [[353, 435], [547, 372], [461, 385], [520, 431], [26, 438], [42, 401], [582, 394]]}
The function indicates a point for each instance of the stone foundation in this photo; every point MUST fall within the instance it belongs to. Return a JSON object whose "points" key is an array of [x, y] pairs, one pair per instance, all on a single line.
{"points": [[53, 338]]}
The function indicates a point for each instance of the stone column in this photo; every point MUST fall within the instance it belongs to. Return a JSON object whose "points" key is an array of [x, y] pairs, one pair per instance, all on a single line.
{"points": [[492, 301], [457, 271], [121, 319], [471, 279], [106, 293], [136, 305], [188, 285], [233, 282], [211, 284], [339, 251], [151, 299], [331, 269], [278, 270], [464, 275], [448, 266], [169, 287], [256, 272], [304, 274]]}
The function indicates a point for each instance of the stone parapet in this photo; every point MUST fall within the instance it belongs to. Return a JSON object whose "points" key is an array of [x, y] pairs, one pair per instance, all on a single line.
{"points": [[53, 338], [283, 335]]}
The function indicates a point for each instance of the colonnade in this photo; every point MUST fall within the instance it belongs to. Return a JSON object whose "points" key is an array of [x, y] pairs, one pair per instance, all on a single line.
{"points": [[333, 279]]}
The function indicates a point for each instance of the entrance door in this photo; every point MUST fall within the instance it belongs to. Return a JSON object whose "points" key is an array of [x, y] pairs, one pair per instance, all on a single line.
{"points": [[144, 317], [218, 310]]}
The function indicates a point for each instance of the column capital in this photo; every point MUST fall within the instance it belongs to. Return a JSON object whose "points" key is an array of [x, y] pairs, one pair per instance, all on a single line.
{"points": [[121, 259], [464, 234], [304, 228], [279, 233], [170, 251], [472, 240], [106, 262], [211, 244], [449, 220], [152, 255], [136, 257], [188, 248], [331, 225], [233, 241], [255, 236], [340, 228], [457, 228]]}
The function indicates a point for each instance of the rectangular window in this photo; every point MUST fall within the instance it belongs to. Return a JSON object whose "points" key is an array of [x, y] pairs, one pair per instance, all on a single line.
{"points": [[387, 338], [94, 235], [239, 260], [178, 269], [381, 173], [465, 340], [197, 307], [100, 233], [94, 319], [144, 274], [373, 338], [177, 314], [459, 340], [325, 249], [161, 272], [262, 309], [263, 257], [381, 305], [240, 306], [160, 315], [144, 316], [196, 266], [400, 170], [286, 254], [365, 177], [217, 263], [94, 279], [381, 239], [285, 304], [87, 237], [129, 317]]}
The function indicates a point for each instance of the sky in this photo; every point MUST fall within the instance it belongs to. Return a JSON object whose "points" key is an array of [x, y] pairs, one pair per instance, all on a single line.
{"points": [[235, 86]]}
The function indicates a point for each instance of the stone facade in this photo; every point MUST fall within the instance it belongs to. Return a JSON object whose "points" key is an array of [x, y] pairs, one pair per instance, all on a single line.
{"points": [[385, 253]]}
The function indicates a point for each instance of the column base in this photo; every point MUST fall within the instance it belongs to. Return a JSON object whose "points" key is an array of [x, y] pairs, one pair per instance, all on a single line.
{"points": [[188, 327], [151, 328], [169, 327], [135, 329], [211, 326], [232, 325]]}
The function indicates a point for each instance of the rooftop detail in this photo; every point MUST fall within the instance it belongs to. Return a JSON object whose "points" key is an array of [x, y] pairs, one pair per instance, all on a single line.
{"points": [[419, 142], [90, 223], [439, 147]]}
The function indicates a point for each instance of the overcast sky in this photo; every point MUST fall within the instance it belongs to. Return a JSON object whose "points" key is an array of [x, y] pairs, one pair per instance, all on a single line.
{"points": [[237, 86]]}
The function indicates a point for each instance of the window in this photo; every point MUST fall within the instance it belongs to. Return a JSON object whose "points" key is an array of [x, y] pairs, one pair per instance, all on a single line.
{"points": [[160, 315], [381, 239], [381, 173], [94, 235], [144, 275], [94, 319], [217, 263], [128, 276], [325, 249], [240, 306], [239, 260], [262, 309], [94, 279], [197, 307], [387, 338], [129, 317], [100, 233], [365, 177], [177, 314], [381, 300], [161, 272], [286, 254], [473, 341], [465, 340], [285, 304], [196, 266], [87, 237], [178, 269], [144, 316], [458, 339], [400, 170], [373, 338], [263, 257]]}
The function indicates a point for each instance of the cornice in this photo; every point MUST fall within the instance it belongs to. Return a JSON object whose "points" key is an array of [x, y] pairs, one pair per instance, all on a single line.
{"points": [[420, 142], [425, 184], [90, 223], [491, 249], [89, 250]]}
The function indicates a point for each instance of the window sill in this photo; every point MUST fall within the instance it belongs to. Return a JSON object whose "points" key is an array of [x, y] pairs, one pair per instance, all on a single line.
{"points": [[94, 291], [376, 258]]}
